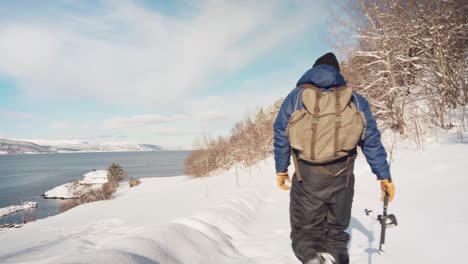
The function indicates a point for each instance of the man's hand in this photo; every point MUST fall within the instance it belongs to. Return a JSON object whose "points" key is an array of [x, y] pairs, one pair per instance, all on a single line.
{"points": [[387, 189], [281, 179]]}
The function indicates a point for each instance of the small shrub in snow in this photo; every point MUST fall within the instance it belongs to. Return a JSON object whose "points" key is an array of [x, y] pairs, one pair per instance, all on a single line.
{"points": [[197, 163], [134, 182], [109, 189], [106, 192], [69, 204]]}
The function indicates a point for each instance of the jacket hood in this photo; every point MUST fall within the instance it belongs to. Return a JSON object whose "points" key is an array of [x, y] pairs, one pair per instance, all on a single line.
{"points": [[323, 76]]}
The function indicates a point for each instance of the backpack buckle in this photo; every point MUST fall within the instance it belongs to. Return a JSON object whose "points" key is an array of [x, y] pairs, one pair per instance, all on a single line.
{"points": [[338, 119]]}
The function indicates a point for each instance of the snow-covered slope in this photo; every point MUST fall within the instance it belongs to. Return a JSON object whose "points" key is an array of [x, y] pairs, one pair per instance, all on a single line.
{"points": [[17, 147], [210, 220], [90, 146], [39, 146]]}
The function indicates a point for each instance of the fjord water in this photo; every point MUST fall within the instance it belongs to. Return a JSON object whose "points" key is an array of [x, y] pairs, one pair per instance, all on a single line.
{"points": [[27, 177]]}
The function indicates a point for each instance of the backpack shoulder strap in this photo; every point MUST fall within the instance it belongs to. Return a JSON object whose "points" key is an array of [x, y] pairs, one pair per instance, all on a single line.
{"points": [[315, 112], [337, 121], [309, 100]]}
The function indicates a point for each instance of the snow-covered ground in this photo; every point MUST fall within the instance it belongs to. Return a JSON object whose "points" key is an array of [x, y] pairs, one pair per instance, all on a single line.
{"points": [[16, 208], [93, 179], [178, 220]]}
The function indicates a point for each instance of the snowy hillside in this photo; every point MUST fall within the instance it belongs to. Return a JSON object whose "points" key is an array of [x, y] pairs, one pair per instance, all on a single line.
{"points": [[90, 146], [17, 147], [39, 146], [178, 220]]}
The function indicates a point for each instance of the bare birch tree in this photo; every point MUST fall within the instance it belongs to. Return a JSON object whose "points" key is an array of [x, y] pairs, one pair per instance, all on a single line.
{"points": [[407, 54]]}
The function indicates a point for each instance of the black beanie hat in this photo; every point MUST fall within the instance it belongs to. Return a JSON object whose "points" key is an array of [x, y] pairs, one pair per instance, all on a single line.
{"points": [[328, 59]]}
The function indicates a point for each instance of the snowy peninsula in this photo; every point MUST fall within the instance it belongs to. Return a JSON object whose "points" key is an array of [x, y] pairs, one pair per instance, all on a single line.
{"points": [[93, 179], [17, 208]]}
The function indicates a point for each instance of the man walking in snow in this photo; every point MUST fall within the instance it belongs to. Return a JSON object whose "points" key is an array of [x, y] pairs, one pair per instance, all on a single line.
{"points": [[321, 122]]}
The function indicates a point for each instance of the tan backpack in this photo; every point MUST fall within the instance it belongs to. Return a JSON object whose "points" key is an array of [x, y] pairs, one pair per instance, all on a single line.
{"points": [[328, 126]]}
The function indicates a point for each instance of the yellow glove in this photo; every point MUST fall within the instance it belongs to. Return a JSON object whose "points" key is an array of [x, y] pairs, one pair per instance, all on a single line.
{"points": [[281, 179], [387, 189]]}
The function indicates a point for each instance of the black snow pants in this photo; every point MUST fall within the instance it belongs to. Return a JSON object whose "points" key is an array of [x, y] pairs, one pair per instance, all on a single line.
{"points": [[320, 209]]}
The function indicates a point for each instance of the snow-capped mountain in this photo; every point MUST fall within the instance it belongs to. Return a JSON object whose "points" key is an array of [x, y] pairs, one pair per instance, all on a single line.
{"points": [[38, 146]]}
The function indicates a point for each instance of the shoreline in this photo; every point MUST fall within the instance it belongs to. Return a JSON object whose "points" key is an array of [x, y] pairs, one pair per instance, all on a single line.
{"points": [[13, 209], [78, 152], [21, 183]]}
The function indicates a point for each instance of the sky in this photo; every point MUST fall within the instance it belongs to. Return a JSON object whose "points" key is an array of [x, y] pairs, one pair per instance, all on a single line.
{"points": [[150, 71]]}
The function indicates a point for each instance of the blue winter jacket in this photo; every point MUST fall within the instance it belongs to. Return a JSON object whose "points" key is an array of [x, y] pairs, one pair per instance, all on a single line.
{"points": [[326, 76]]}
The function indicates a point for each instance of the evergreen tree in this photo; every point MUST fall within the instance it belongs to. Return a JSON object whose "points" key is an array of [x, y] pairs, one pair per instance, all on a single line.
{"points": [[115, 172]]}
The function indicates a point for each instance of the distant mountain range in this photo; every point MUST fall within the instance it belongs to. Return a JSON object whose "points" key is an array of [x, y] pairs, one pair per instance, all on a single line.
{"points": [[38, 146], [20, 147]]}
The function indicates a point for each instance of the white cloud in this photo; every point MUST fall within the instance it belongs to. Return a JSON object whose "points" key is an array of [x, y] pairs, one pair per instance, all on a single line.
{"points": [[172, 132], [59, 125], [155, 64], [14, 114], [140, 121], [212, 115], [247, 99], [125, 54], [112, 136]]}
